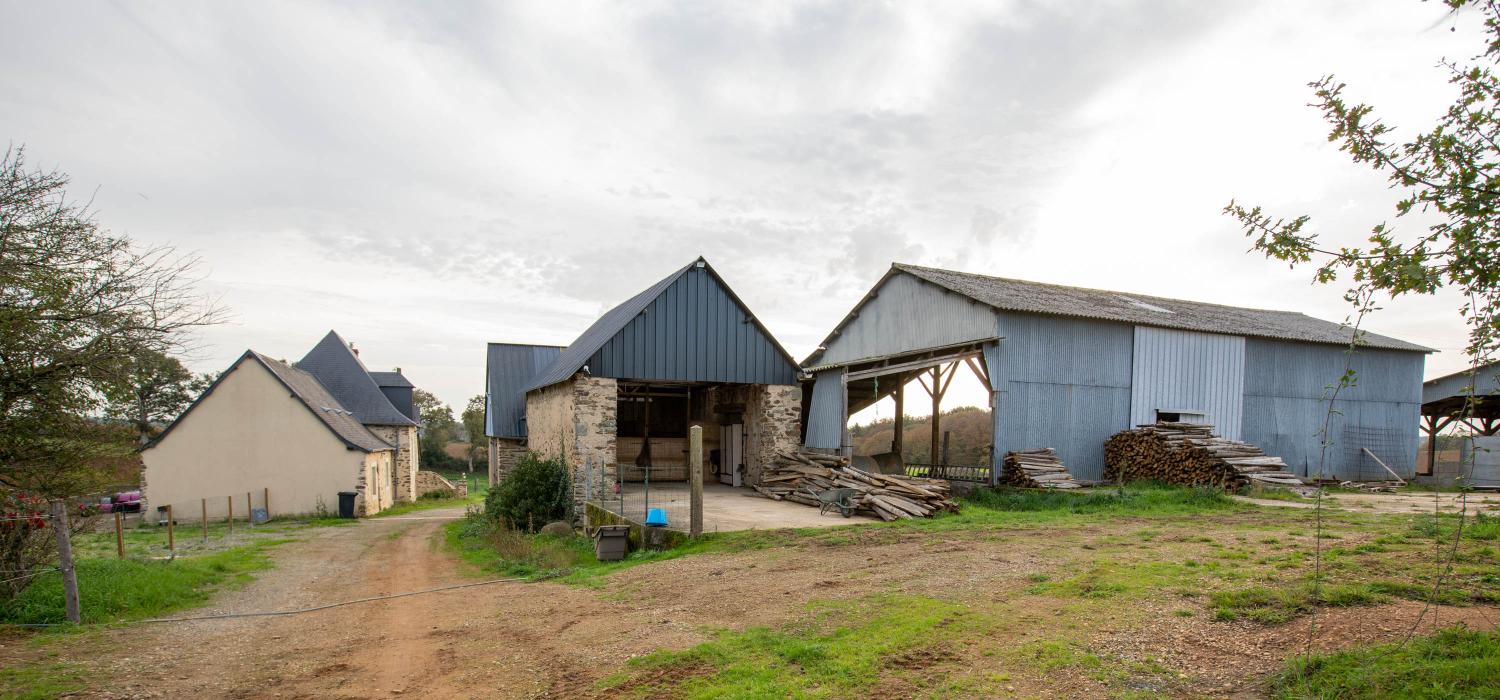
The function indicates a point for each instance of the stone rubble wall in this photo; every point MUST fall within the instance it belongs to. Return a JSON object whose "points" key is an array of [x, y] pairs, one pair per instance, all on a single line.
{"points": [[430, 481], [576, 420], [773, 424], [505, 453], [406, 462]]}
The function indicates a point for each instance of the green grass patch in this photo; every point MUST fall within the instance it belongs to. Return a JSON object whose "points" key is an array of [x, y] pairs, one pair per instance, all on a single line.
{"points": [[422, 504], [1134, 499], [117, 590], [492, 549], [840, 649], [1454, 663], [40, 681], [1273, 606]]}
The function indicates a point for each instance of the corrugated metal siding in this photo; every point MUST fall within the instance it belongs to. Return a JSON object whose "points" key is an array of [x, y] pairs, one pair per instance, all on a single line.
{"points": [[1485, 381], [1284, 406], [509, 369], [825, 416], [1062, 383], [693, 331], [908, 315], [1190, 372]]}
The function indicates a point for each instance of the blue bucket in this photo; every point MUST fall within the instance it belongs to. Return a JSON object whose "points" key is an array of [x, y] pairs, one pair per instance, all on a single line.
{"points": [[656, 517]]}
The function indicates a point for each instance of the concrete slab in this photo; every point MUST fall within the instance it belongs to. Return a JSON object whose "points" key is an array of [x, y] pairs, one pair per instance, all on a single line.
{"points": [[726, 508]]}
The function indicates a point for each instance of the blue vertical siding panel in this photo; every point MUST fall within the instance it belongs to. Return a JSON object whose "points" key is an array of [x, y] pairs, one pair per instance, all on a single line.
{"points": [[693, 331], [1062, 383], [1195, 372], [1285, 404], [509, 369], [825, 417]]}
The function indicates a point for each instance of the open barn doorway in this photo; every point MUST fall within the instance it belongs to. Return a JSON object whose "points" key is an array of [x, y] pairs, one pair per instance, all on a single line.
{"points": [[927, 413]]}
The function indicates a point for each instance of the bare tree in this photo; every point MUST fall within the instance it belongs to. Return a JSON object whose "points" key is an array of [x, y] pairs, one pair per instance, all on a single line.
{"points": [[77, 304]]}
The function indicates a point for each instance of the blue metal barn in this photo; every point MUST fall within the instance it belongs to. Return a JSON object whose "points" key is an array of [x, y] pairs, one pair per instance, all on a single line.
{"points": [[1069, 367]]}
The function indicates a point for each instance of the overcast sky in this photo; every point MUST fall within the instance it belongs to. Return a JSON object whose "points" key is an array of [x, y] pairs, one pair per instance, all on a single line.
{"points": [[426, 177]]}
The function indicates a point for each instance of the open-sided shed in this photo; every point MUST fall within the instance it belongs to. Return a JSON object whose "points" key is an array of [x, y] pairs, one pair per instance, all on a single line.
{"points": [[1067, 367]]}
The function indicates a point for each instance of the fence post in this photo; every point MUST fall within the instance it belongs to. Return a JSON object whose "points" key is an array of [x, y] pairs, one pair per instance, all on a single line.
{"points": [[171, 535], [204, 503], [267, 498], [230, 520], [695, 477], [65, 561], [249, 510], [119, 535]]}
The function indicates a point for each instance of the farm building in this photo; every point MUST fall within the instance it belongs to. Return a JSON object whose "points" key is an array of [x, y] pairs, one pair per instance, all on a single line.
{"points": [[1445, 406], [620, 399], [1068, 367], [293, 435]]}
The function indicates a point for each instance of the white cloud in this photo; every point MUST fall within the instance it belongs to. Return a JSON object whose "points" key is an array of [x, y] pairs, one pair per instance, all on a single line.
{"points": [[428, 177]]}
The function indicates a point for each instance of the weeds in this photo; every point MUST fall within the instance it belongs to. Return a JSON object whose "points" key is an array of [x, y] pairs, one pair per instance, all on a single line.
{"points": [[1454, 663]]}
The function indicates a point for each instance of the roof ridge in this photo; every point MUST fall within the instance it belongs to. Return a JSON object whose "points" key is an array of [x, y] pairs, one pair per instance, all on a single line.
{"points": [[1055, 285]]}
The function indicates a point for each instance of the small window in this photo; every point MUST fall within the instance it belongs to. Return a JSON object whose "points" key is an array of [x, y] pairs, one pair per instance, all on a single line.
{"points": [[1181, 417]]}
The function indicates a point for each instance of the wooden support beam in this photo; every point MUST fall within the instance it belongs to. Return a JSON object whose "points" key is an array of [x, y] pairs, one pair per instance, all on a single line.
{"points": [[984, 377], [937, 412], [900, 397]]}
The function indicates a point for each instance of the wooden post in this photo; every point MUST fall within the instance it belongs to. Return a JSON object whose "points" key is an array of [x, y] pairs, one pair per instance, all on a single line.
{"points": [[205, 520], [695, 469], [946, 435], [65, 561], [171, 534], [898, 440], [230, 519], [119, 535], [267, 498], [937, 413], [249, 510]]}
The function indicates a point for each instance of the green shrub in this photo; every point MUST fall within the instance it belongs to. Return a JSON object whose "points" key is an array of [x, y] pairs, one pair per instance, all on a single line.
{"points": [[538, 491]]}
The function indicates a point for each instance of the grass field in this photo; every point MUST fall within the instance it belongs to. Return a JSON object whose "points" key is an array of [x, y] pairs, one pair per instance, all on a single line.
{"points": [[1113, 558]]}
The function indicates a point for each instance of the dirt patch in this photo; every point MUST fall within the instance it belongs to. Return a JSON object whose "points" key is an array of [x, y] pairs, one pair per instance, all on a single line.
{"points": [[553, 641]]}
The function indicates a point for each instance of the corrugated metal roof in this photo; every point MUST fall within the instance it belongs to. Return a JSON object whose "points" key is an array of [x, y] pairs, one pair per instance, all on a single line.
{"points": [[340, 371], [1483, 380], [509, 369], [313, 395], [616, 320], [1038, 297], [389, 379]]}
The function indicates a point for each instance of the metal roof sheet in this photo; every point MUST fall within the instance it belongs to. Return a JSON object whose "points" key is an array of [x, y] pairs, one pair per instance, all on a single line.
{"points": [[1038, 297], [576, 355], [509, 369]]}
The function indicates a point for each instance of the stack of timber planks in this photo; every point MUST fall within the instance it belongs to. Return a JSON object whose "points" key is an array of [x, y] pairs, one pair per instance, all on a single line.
{"points": [[1036, 469], [799, 476], [1190, 454]]}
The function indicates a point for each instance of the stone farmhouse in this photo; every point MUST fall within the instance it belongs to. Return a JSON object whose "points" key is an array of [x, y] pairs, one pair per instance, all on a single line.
{"points": [[621, 398], [291, 436]]}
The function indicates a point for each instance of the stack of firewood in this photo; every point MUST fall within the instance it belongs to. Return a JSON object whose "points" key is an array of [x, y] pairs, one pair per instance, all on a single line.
{"points": [[801, 476], [1190, 454], [1036, 469]]}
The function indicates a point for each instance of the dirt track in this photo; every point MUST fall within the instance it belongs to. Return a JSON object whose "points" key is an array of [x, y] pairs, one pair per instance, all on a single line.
{"points": [[547, 640]]}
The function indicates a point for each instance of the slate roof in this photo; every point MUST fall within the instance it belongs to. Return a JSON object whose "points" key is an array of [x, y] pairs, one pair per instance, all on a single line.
{"points": [[385, 379], [340, 420], [1059, 300], [306, 388], [508, 370], [346, 378]]}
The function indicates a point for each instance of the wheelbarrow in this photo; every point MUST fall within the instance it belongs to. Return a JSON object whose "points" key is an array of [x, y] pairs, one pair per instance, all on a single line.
{"points": [[842, 499]]}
